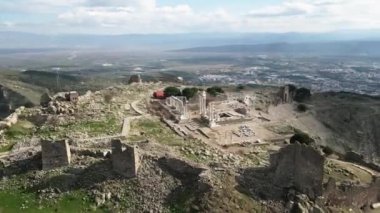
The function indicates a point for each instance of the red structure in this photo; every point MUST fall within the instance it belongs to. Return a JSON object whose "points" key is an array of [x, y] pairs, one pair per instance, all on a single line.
{"points": [[159, 94]]}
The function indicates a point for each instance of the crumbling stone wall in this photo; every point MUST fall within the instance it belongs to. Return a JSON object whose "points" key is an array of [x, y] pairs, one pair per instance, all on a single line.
{"points": [[135, 79], [349, 194], [55, 154], [125, 161], [286, 94], [126, 127], [299, 167]]}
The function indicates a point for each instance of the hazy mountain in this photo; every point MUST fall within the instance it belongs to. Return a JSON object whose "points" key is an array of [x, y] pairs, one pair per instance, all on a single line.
{"points": [[172, 41], [364, 48]]}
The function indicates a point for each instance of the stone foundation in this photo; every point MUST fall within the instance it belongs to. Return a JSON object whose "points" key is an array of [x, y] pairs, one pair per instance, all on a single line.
{"points": [[125, 161], [55, 154]]}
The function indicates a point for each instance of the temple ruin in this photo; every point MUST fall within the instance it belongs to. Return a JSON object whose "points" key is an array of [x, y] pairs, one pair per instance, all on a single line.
{"points": [[178, 104]]}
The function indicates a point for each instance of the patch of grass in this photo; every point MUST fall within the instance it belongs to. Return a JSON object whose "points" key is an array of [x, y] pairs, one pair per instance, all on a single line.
{"points": [[17, 201], [8, 147], [156, 130], [109, 125], [20, 130]]}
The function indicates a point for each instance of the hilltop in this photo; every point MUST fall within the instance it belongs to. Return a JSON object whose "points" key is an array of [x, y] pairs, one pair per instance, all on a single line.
{"points": [[187, 166]]}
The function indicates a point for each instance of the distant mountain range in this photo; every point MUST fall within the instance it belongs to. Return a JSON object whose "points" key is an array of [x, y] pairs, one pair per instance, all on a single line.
{"points": [[342, 48], [20, 40]]}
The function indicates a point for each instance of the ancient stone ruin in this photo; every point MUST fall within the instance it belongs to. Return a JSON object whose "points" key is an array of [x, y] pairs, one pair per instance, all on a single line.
{"points": [[349, 194], [125, 161], [286, 94], [55, 154], [72, 96], [135, 79], [298, 167]]}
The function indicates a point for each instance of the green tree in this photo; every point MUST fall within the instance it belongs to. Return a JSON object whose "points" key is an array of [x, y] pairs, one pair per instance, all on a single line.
{"points": [[215, 90], [189, 92], [302, 94], [172, 91], [302, 138], [302, 108], [240, 87]]}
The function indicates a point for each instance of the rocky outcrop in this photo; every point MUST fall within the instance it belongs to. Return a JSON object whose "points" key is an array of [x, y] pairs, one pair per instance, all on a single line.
{"points": [[351, 194], [298, 167]]}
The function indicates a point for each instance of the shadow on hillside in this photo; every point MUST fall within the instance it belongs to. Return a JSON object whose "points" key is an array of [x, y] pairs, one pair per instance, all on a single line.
{"points": [[78, 178], [192, 188], [18, 167], [258, 184]]}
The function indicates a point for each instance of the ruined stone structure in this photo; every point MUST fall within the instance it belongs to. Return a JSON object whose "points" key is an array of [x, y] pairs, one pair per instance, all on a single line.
{"points": [[72, 96], [55, 154], [126, 127], [125, 161], [348, 194], [213, 117], [135, 79], [299, 167], [179, 104], [202, 103], [287, 94]]}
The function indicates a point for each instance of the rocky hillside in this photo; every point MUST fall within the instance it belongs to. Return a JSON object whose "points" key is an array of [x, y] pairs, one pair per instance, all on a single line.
{"points": [[353, 119]]}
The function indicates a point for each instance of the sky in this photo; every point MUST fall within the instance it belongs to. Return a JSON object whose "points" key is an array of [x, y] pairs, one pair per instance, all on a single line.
{"points": [[187, 16]]}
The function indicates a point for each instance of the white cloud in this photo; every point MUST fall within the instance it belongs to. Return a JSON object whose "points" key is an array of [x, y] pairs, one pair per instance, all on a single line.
{"points": [[180, 18], [317, 15], [145, 16]]}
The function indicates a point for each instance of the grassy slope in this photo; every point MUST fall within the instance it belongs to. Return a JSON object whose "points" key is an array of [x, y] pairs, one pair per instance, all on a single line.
{"points": [[29, 91]]}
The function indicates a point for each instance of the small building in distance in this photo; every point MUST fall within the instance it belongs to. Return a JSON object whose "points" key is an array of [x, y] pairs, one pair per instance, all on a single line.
{"points": [[72, 96]]}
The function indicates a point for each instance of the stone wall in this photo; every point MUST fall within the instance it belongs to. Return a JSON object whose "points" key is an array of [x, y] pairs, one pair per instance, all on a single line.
{"points": [[299, 167], [349, 194], [126, 127], [125, 160], [12, 119], [55, 154]]}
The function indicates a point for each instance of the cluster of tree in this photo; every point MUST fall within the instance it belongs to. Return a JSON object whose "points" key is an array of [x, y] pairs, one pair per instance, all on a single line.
{"points": [[189, 92], [240, 87], [299, 94], [302, 108], [215, 90], [301, 137], [302, 94]]}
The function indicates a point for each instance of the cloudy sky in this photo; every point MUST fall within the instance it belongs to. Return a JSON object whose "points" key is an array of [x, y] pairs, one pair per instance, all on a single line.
{"points": [[181, 16]]}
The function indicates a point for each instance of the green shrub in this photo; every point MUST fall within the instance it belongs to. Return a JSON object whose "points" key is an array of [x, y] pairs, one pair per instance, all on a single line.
{"points": [[190, 92], [302, 108], [240, 87], [302, 94], [301, 137], [172, 91], [215, 90], [327, 150]]}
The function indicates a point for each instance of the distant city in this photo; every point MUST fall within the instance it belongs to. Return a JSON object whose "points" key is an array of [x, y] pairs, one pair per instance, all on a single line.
{"points": [[320, 74]]}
